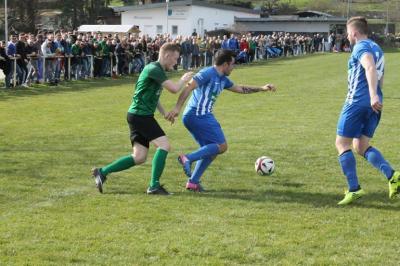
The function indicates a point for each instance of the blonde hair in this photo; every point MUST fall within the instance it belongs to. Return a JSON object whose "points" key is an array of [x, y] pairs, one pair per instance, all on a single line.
{"points": [[360, 23], [169, 47]]}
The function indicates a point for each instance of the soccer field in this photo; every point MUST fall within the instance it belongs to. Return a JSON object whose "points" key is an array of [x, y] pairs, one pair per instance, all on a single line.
{"points": [[52, 214]]}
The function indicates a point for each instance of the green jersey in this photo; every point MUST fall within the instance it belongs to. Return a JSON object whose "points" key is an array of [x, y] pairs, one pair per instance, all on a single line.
{"points": [[148, 90]]}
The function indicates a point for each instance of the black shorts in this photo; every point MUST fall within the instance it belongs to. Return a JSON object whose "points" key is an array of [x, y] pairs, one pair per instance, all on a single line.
{"points": [[143, 129]]}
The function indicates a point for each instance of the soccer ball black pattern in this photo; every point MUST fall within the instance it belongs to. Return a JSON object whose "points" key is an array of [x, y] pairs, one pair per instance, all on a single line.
{"points": [[264, 165]]}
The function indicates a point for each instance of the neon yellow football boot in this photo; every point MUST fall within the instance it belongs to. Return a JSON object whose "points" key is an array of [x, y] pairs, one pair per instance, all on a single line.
{"points": [[394, 185], [349, 197]]}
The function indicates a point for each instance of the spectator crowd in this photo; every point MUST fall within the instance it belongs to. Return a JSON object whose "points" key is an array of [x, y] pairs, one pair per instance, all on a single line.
{"points": [[66, 55]]}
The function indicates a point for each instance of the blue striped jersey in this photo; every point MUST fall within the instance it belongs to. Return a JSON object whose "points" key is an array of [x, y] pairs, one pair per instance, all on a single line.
{"points": [[358, 92], [209, 85]]}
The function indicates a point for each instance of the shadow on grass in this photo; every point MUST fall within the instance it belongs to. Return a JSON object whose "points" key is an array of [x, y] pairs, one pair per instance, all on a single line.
{"points": [[319, 200], [373, 200], [73, 86], [114, 191]]}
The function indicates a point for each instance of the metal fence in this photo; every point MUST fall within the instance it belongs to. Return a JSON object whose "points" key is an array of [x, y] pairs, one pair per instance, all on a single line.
{"points": [[49, 68]]}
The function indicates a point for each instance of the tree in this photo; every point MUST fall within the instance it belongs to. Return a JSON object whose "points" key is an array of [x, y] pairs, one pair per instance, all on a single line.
{"points": [[270, 6], [22, 15], [73, 13], [78, 12]]}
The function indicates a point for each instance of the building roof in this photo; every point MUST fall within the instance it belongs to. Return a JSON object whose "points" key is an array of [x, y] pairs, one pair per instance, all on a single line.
{"points": [[185, 3], [108, 28], [292, 18], [302, 16]]}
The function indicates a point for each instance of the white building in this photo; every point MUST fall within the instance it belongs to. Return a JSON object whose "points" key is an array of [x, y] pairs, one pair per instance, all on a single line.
{"points": [[183, 17]]}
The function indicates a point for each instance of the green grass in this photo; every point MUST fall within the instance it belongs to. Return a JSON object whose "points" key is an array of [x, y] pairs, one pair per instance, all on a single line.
{"points": [[116, 3], [51, 213]]}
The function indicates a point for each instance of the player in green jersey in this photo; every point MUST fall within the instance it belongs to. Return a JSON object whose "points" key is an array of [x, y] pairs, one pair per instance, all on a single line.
{"points": [[144, 129]]}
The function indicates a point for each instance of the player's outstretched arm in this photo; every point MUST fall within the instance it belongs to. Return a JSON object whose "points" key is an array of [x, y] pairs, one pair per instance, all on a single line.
{"points": [[244, 89], [181, 100], [176, 87]]}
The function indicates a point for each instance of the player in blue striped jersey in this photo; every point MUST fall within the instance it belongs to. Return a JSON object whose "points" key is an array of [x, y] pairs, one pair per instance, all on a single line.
{"points": [[362, 111], [199, 119]]}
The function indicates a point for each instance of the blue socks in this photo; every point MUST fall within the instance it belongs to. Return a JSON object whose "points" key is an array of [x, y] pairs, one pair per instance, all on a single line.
{"points": [[199, 169], [204, 152], [348, 163], [374, 157], [204, 157]]}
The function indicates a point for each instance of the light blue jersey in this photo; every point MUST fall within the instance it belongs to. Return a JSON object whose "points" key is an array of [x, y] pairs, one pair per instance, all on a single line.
{"points": [[210, 84], [358, 92], [357, 117]]}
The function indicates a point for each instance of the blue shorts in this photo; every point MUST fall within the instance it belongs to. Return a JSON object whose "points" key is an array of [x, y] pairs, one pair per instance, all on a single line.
{"points": [[205, 129], [355, 121]]}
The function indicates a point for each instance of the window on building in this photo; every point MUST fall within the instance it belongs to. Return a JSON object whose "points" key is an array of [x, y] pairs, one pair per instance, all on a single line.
{"points": [[174, 30], [159, 29]]}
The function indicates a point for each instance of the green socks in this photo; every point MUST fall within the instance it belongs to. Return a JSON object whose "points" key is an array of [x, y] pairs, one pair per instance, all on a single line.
{"points": [[118, 165], [126, 162], [157, 167]]}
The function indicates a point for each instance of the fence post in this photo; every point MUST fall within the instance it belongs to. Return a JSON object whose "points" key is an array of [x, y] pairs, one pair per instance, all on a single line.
{"points": [[116, 64], [91, 66], [69, 67], [111, 66], [44, 69], [15, 72]]}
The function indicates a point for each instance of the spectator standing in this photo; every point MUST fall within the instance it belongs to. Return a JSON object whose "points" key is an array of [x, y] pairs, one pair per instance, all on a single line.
{"points": [[195, 54], [5, 64], [22, 60], [233, 44], [11, 51], [59, 53], [48, 55], [32, 51], [187, 49], [76, 59], [225, 43]]}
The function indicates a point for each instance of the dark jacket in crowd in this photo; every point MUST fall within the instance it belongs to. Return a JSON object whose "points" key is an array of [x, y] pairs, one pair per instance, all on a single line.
{"points": [[186, 48], [5, 64], [31, 49], [21, 50]]}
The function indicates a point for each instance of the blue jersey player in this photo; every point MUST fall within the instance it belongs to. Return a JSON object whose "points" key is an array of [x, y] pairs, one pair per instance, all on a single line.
{"points": [[198, 118], [362, 111]]}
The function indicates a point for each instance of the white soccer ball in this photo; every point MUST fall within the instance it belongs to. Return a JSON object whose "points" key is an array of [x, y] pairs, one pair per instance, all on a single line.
{"points": [[264, 165]]}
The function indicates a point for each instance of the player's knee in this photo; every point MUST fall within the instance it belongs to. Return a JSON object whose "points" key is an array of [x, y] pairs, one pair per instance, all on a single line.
{"points": [[339, 143], [162, 143], [341, 146], [360, 149], [357, 149], [223, 148], [139, 159], [165, 146]]}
